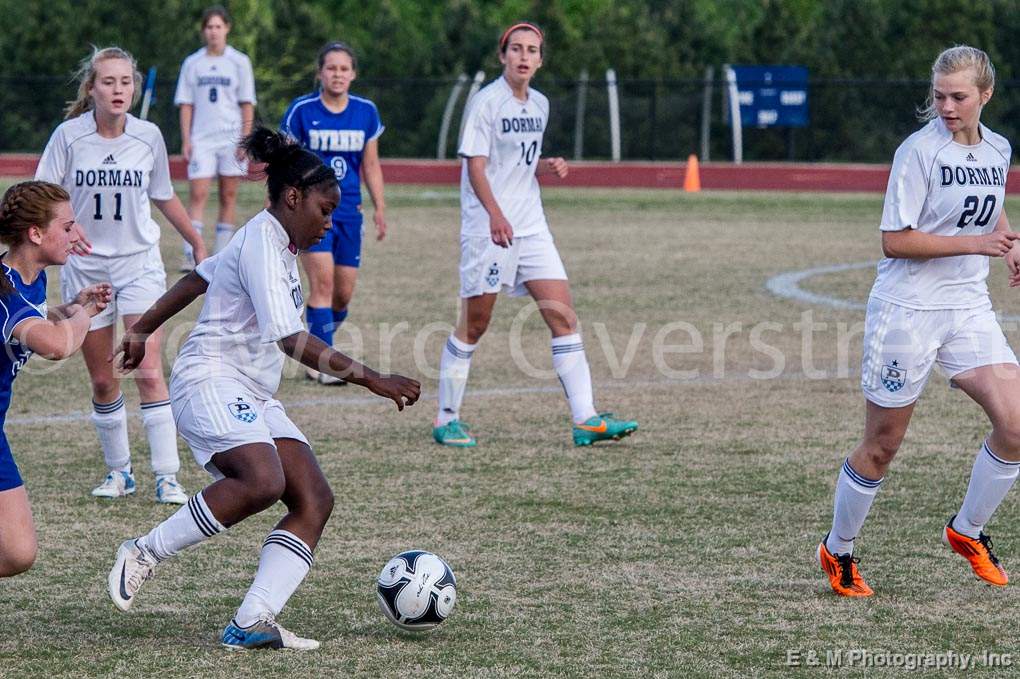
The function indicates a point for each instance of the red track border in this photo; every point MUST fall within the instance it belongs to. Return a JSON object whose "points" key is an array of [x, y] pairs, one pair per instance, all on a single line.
{"points": [[724, 176]]}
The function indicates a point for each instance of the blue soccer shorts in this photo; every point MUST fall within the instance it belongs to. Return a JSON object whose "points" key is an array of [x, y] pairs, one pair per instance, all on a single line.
{"points": [[343, 241], [10, 477]]}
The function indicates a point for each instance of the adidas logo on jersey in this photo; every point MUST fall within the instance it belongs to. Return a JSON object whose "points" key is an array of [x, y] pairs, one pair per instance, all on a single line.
{"points": [[109, 160], [971, 158]]}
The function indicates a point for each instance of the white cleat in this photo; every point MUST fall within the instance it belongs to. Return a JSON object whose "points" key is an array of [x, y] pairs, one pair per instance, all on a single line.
{"points": [[169, 491], [187, 260], [323, 378], [264, 633], [116, 484], [130, 571]]}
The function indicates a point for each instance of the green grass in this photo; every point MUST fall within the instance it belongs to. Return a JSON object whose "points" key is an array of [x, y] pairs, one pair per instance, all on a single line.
{"points": [[684, 551]]}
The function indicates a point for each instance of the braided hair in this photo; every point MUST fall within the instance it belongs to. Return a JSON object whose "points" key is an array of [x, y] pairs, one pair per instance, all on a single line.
{"points": [[287, 163], [23, 206]]}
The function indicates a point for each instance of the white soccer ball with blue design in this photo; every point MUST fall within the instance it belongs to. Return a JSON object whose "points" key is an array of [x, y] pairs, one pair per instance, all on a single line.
{"points": [[416, 590]]}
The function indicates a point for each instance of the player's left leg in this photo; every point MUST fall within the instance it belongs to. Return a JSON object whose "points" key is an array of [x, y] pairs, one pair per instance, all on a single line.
{"points": [[226, 222], [18, 545], [571, 364], [158, 420], [996, 388], [286, 553], [198, 194]]}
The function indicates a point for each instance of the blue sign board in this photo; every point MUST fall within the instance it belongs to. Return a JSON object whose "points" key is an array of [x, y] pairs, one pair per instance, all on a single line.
{"points": [[772, 96]]}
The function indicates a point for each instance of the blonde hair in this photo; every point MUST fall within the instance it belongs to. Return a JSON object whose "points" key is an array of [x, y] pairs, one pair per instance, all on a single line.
{"points": [[956, 59], [86, 76]]}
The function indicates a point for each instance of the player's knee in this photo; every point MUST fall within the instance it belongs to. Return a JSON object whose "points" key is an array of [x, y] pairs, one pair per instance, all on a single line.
{"points": [[321, 504], [882, 448], [18, 559], [105, 388], [476, 327], [150, 384], [264, 489], [1008, 433]]}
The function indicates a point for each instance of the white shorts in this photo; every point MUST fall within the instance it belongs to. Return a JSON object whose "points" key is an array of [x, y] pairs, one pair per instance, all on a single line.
{"points": [[138, 280], [221, 414], [487, 268], [902, 345], [214, 157]]}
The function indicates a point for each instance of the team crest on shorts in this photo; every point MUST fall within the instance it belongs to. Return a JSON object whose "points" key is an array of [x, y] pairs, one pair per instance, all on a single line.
{"points": [[242, 410], [893, 377], [492, 278]]}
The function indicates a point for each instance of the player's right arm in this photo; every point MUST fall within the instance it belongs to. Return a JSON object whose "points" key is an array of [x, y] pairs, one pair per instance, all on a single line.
{"points": [[499, 227], [187, 112], [314, 353], [905, 197], [184, 292]]}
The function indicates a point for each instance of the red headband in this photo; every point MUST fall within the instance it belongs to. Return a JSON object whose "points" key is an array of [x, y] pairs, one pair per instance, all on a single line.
{"points": [[515, 27]]}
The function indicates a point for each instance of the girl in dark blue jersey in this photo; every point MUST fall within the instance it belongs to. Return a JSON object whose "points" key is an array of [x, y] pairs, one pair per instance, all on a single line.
{"points": [[343, 130], [37, 224]]}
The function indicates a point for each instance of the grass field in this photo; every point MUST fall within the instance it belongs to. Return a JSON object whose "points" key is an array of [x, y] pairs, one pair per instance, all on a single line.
{"points": [[684, 551]]}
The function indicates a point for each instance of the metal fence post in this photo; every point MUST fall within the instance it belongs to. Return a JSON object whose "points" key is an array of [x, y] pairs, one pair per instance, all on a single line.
{"points": [[582, 96], [444, 127], [476, 85], [735, 122], [614, 114], [706, 113]]}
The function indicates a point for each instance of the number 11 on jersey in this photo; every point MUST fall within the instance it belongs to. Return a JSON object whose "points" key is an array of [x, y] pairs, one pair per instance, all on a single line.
{"points": [[99, 206]]}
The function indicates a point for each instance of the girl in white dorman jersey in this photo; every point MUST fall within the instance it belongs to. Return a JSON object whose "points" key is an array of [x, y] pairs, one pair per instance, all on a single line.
{"points": [[113, 164], [216, 95], [505, 241], [224, 383], [943, 218]]}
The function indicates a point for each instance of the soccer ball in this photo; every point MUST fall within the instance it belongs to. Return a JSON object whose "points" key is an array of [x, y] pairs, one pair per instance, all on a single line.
{"points": [[416, 590]]}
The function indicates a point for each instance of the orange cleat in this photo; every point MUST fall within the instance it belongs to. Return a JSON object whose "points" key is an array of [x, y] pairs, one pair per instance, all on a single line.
{"points": [[978, 552], [842, 570]]}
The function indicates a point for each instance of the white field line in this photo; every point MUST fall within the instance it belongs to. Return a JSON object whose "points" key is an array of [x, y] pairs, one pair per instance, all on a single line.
{"points": [[80, 415], [787, 286]]}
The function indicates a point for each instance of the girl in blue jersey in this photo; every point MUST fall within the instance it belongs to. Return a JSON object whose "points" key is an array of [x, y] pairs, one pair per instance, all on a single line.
{"points": [[37, 224], [343, 130]]}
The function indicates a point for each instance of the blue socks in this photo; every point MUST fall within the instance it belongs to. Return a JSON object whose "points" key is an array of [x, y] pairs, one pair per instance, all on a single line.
{"points": [[323, 322]]}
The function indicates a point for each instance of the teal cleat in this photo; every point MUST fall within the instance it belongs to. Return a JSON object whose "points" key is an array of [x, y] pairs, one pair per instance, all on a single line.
{"points": [[454, 433], [264, 633], [602, 427]]}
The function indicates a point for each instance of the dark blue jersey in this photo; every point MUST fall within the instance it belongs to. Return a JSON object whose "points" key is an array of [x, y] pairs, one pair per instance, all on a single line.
{"points": [[338, 138], [26, 301]]}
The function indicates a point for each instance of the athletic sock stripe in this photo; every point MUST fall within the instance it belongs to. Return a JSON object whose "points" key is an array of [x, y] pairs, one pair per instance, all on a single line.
{"points": [[567, 348], [459, 353], [104, 408], [292, 544], [858, 479], [998, 459], [207, 527], [289, 547], [155, 404]]}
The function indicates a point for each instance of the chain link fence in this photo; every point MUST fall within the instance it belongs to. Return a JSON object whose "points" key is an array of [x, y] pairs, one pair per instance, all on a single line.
{"points": [[850, 120]]}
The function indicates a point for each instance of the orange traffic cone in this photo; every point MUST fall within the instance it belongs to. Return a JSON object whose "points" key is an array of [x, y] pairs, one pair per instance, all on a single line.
{"points": [[692, 178]]}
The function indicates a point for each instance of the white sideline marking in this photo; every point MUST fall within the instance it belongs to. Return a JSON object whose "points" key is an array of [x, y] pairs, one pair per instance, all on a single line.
{"points": [[80, 416], [787, 286]]}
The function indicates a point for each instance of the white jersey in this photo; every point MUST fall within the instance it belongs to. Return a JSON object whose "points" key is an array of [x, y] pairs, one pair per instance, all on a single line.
{"points": [[216, 86], [254, 299], [940, 187], [508, 132], [110, 181]]}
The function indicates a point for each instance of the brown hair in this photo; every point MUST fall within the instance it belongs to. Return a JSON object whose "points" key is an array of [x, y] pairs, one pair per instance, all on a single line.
{"points": [[215, 11], [504, 40], [23, 206], [86, 76], [337, 46], [956, 59]]}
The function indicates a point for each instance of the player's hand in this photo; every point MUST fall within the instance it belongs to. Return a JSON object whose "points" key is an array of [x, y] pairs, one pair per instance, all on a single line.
{"points": [[1013, 263], [131, 351], [996, 243], [80, 245], [501, 231], [558, 166], [186, 151], [399, 389], [380, 224], [198, 249], [95, 298]]}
